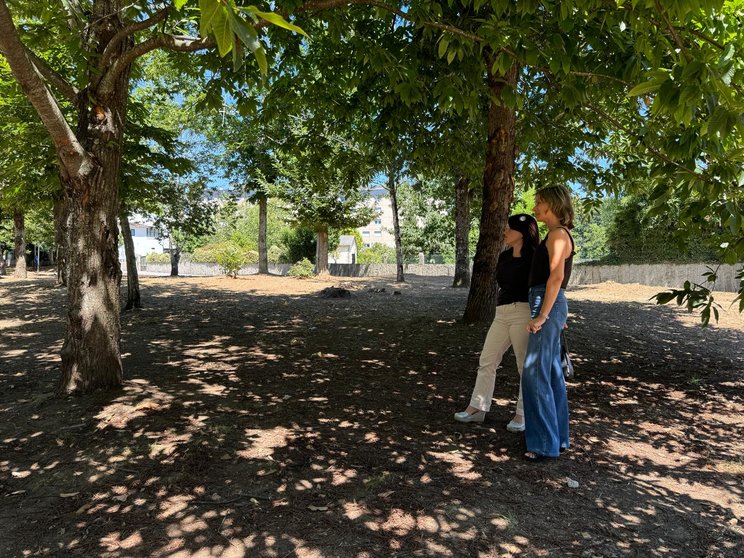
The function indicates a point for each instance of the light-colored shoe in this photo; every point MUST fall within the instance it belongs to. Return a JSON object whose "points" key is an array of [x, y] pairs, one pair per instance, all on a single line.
{"points": [[464, 416], [515, 426]]}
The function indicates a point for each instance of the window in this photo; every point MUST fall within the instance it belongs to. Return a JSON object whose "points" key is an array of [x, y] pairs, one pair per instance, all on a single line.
{"points": [[378, 221], [151, 232], [365, 233], [378, 233]]}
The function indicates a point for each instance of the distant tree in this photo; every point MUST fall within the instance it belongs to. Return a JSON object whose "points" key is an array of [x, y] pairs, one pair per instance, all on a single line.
{"points": [[322, 176], [184, 213]]}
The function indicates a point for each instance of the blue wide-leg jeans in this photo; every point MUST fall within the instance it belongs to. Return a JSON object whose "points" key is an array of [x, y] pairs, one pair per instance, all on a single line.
{"points": [[543, 386]]}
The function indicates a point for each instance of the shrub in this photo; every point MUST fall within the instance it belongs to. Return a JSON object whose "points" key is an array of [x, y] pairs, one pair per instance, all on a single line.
{"points": [[206, 253], [274, 254], [377, 253], [155, 257], [302, 269], [251, 257], [231, 258]]}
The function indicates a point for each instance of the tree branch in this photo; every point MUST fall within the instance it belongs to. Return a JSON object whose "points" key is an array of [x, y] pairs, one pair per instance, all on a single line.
{"points": [[672, 30], [74, 160], [62, 85], [180, 43], [128, 32], [703, 37]]}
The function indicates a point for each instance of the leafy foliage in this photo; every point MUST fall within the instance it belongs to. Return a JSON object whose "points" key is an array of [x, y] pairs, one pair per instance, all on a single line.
{"points": [[302, 269]]}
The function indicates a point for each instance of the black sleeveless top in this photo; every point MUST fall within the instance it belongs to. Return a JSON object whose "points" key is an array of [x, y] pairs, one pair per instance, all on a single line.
{"points": [[511, 275], [540, 270]]}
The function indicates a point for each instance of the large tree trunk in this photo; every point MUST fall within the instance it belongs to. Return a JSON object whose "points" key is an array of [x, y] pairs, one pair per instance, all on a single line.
{"points": [[263, 254], [133, 290], [498, 192], [19, 237], [462, 233], [321, 252], [60, 237], [91, 354], [392, 189]]}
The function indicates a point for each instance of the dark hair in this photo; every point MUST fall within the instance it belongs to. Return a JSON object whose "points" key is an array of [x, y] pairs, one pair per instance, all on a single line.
{"points": [[526, 224], [559, 200]]}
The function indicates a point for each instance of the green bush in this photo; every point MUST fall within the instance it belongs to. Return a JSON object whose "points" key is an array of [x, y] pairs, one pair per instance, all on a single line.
{"points": [[155, 257], [251, 257], [377, 253], [302, 269], [274, 254], [206, 253], [299, 243], [231, 258]]}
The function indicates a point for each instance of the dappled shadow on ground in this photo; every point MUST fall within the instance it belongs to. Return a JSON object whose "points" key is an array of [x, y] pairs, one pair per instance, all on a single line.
{"points": [[257, 424]]}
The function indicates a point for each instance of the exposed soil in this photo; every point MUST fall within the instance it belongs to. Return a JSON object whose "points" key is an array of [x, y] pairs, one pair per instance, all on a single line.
{"points": [[260, 419]]}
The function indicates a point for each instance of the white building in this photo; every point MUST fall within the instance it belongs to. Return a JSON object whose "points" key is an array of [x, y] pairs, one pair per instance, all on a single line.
{"points": [[346, 253], [146, 239], [380, 230]]}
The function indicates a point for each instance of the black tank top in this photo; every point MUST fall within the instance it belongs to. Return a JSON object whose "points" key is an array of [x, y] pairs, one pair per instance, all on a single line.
{"points": [[540, 270]]}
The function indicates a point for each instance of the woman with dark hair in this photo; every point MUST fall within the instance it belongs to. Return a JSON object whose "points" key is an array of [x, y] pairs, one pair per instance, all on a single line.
{"points": [[543, 386], [509, 325]]}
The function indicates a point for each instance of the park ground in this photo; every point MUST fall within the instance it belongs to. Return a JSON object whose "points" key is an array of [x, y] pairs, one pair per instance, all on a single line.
{"points": [[259, 419]]}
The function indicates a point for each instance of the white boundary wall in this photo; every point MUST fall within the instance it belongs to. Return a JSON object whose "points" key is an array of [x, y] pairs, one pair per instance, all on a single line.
{"points": [[657, 275]]}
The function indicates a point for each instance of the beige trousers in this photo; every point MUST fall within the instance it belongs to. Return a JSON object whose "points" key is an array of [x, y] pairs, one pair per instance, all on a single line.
{"points": [[509, 329]]}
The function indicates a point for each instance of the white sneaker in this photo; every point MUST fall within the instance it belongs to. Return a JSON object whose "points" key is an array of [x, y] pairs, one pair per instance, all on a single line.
{"points": [[515, 426], [464, 416]]}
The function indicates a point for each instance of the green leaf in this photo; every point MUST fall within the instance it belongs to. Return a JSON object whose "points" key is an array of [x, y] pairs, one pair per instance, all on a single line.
{"points": [[279, 21], [260, 55], [245, 32], [222, 31], [179, 3], [643, 88], [209, 9], [727, 56], [443, 44]]}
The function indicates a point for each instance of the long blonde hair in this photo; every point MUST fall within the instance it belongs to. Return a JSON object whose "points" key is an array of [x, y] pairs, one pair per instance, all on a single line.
{"points": [[558, 199]]}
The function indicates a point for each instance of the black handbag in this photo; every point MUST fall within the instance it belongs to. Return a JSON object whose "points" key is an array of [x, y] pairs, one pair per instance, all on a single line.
{"points": [[566, 364]]}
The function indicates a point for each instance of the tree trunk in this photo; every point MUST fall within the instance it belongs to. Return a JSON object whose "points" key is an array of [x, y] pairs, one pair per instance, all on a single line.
{"points": [[91, 354], [462, 233], [393, 191], [19, 237], [263, 255], [321, 252], [133, 290], [175, 259], [498, 192], [60, 236], [2, 260]]}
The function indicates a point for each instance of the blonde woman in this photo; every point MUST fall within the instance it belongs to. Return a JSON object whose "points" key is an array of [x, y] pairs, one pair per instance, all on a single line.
{"points": [[543, 386]]}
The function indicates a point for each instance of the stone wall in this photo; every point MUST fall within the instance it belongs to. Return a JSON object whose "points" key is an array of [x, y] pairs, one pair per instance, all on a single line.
{"points": [[658, 275]]}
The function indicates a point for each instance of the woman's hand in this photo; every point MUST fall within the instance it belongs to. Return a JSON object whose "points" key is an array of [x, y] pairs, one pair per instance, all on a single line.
{"points": [[536, 323]]}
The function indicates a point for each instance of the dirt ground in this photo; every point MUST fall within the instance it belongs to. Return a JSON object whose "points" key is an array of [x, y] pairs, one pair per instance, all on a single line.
{"points": [[259, 419]]}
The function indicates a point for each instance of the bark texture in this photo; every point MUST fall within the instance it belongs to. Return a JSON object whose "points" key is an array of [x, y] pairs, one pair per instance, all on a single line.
{"points": [[175, 259], [263, 254], [462, 233], [91, 354], [392, 189], [61, 215], [498, 192], [19, 241], [321, 252], [133, 290]]}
